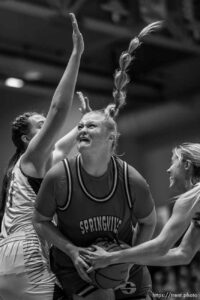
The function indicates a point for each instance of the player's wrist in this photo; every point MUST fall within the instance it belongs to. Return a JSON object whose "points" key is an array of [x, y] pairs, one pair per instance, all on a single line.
{"points": [[77, 53], [70, 250], [112, 258]]}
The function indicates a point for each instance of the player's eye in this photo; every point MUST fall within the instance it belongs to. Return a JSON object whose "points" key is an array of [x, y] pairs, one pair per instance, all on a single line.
{"points": [[92, 126], [80, 126]]}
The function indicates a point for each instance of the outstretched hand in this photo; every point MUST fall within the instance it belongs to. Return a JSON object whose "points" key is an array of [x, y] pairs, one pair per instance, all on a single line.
{"points": [[97, 258], [84, 102], [76, 36], [80, 264]]}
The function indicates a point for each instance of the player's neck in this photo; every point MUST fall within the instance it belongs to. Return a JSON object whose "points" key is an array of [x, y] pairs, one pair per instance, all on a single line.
{"points": [[95, 165]]}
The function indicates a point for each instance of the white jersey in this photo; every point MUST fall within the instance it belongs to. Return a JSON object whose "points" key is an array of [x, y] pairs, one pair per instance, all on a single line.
{"points": [[24, 259], [20, 201]]}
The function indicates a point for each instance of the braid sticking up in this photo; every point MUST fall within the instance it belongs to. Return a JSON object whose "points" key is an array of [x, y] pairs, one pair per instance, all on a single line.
{"points": [[121, 78]]}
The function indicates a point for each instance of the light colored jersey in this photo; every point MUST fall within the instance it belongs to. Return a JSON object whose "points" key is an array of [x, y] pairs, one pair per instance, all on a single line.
{"points": [[24, 261], [20, 201]]}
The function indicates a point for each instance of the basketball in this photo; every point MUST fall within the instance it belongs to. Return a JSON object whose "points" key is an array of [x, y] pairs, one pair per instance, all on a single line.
{"points": [[113, 275]]}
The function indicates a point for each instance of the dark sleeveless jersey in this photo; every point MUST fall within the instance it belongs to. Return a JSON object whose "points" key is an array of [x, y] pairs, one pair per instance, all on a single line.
{"points": [[92, 207], [96, 206]]}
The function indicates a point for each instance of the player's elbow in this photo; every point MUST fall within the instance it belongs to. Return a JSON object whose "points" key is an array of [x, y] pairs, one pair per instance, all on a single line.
{"points": [[185, 256], [35, 220], [37, 224]]}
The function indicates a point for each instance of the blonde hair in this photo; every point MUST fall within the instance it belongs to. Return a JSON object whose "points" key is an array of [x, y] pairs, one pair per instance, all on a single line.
{"points": [[190, 152], [121, 79]]}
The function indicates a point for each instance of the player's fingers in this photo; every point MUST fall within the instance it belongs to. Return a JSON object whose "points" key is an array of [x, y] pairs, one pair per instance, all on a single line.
{"points": [[84, 275], [82, 101], [87, 103], [97, 248], [73, 18], [85, 261], [90, 270], [74, 22], [80, 96], [87, 258], [84, 251]]}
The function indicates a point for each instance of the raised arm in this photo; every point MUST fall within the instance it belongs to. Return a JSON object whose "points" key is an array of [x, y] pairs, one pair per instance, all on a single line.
{"points": [[66, 143], [40, 146]]}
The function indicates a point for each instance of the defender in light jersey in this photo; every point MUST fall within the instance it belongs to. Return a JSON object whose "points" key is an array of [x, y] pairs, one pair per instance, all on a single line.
{"points": [[185, 219], [24, 269], [96, 195]]}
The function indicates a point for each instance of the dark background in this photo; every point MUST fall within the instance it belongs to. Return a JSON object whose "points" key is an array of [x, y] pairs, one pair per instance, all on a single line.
{"points": [[163, 104]]}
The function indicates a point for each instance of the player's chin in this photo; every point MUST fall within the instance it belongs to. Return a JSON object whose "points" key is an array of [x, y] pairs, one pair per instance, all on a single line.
{"points": [[83, 146], [171, 182]]}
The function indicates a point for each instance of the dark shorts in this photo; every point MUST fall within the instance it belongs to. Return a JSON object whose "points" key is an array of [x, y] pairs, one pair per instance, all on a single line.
{"points": [[68, 277], [138, 285]]}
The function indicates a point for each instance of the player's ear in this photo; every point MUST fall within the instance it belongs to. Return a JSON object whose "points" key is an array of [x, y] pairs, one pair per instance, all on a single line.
{"points": [[187, 164], [112, 136], [25, 139]]}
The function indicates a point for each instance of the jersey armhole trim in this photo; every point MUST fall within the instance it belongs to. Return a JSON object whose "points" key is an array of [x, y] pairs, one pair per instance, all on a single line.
{"points": [[127, 186], [69, 184]]}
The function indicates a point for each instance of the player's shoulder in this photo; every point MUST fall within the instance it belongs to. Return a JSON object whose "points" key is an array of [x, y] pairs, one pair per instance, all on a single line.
{"points": [[56, 172], [136, 178]]}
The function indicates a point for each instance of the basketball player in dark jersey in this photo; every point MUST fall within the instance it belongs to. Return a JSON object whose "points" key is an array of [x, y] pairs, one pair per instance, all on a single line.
{"points": [[184, 178], [24, 270], [96, 195]]}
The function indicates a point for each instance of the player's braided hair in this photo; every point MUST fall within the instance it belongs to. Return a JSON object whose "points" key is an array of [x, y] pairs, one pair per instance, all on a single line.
{"points": [[121, 78], [20, 126]]}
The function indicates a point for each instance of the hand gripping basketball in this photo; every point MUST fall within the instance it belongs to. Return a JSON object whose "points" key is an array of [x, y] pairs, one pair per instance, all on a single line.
{"points": [[113, 275]]}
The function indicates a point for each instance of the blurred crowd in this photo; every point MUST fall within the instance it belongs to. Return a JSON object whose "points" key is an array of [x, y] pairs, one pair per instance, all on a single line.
{"points": [[177, 280]]}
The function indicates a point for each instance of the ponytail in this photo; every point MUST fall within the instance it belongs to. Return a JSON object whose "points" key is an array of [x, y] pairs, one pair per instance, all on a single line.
{"points": [[121, 78]]}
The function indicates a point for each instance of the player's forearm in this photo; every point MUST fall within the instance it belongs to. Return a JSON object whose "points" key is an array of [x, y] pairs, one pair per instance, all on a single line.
{"points": [[138, 254], [49, 232], [64, 146], [68, 140], [65, 91], [173, 257]]}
